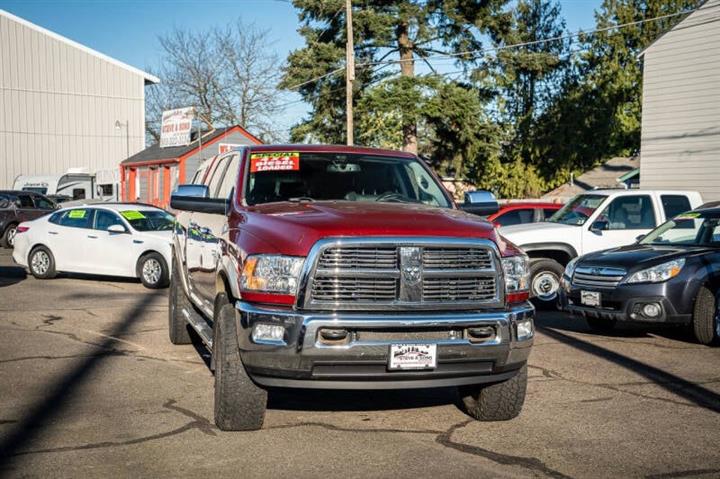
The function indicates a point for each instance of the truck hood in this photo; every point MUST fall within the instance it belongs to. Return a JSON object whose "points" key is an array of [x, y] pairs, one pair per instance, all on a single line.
{"points": [[292, 228], [545, 232], [636, 257]]}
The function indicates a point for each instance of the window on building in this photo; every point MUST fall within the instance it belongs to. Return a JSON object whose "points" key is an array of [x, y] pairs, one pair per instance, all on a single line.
{"points": [[630, 213], [673, 205]]}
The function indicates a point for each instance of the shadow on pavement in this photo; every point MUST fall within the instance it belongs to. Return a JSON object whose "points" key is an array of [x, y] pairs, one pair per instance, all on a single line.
{"points": [[337, 400], [43, 413], [688, 390], [10, 275]]}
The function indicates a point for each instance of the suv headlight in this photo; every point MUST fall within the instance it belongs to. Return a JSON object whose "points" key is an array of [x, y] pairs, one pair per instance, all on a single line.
{"points": [[271, 274], [517, 273], [659, 273]]}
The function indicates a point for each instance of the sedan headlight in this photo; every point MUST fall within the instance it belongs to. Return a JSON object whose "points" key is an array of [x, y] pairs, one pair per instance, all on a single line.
{"points": [[517, 273], [659, 273], [271, 274]]}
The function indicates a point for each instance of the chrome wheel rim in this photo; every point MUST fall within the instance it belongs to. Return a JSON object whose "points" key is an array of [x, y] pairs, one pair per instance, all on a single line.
{"points": [[40, 263], [152, 271], [11, 235], [545, 286]]}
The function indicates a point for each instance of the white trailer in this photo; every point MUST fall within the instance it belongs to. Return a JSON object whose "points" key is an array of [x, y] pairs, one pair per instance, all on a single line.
{"points": [[75, 184]]}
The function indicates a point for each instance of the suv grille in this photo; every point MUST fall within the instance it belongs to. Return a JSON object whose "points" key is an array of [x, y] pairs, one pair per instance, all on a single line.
{"points": [[405, 275], [597, 277]]}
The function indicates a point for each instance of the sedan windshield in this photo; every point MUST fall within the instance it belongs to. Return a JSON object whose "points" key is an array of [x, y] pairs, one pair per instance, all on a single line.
{"points": [[300, 176], [578, 210], [149, 220], [687, 229]]}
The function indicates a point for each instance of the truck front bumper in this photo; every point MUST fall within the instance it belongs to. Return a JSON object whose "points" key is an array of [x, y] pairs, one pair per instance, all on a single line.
{"points": [[306, 358]]}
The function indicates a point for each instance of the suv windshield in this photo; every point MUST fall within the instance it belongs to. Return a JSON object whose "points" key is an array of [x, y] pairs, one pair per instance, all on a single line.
{"points": [[687, 229], [300, 176], [149, 220], [578, 210]]}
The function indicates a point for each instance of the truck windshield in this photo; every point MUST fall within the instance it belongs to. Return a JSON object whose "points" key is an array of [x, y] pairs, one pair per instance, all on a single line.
{"points": [[301, 176], [687, 229], [578, 210]]}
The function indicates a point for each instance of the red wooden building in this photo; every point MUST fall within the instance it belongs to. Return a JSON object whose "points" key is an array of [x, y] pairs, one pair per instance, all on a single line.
{"points": [[152, 174]]}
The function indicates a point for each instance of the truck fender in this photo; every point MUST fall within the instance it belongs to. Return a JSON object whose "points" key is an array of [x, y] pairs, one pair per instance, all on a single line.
{"points": [[564, 247]]}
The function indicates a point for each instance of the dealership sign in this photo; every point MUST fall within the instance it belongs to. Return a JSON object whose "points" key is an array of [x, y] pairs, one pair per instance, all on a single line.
{"points": [[225, 147], [176, 127]]}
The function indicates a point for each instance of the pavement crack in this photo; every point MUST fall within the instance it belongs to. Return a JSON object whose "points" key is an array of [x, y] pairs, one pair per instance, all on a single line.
{"points": [[530, 463], [679, 474], [199, 422]]}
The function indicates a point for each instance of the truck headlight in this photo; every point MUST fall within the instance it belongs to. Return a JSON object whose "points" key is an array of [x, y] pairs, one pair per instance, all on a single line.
{"points": [[517, 273], [271, 273], [659, 273], [570, 267]]}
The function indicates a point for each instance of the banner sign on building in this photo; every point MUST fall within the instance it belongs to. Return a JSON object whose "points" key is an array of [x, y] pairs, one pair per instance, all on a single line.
{"points": [[225, 147], [176, 127]]}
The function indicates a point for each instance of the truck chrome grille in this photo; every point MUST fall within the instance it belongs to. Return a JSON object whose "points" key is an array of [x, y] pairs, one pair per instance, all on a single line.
{"points": [[458, 289], [597, 277], [355, 258], [349, 274]]}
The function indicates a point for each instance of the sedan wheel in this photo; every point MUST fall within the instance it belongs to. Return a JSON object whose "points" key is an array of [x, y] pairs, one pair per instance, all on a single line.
{"points": [[153, 271], [42, 263], [11, 233]]}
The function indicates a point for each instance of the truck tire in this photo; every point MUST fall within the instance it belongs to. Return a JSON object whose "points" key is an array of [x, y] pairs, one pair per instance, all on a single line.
{"points": [[178, 302], [153, 271], [704, 317], [41, 263], [601, 325], [8, 237], [239, 403], [496, 402], [545, 276]]}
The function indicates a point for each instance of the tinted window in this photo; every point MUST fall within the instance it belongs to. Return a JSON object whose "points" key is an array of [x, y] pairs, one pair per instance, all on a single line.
{"points": [[44, 203], [149, 220], [630, 213], [5, 201], [55, 217], [673, 205], [216, 177], [547, 213], [105, 219], [24, 201], [77, 218], [230, 176], [515, 217]]}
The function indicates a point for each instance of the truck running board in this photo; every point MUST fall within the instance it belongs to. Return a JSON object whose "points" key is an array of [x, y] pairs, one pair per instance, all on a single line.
{"points": [[200, 326]]}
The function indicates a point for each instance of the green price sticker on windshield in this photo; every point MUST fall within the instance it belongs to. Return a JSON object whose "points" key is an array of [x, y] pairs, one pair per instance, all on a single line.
{"points": [[132, 215], [687, 216], [76, 214]]}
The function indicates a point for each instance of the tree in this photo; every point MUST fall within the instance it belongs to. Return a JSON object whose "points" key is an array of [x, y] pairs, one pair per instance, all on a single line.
{"points": [[227, 73], [412, 30]]}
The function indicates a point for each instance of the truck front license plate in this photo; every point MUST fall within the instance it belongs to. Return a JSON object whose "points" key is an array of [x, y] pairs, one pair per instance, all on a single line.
{"points": [[590, 298], [412, 356]]}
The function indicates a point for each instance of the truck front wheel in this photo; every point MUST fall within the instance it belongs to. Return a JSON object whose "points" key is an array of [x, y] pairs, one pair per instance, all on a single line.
{"points": [[239, 403], [496, 402], [545, 275]]}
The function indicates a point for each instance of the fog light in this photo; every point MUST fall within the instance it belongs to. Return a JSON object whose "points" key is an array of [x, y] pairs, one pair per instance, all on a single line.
{"points": [[268, 333], [651, 310], [524, 329]]}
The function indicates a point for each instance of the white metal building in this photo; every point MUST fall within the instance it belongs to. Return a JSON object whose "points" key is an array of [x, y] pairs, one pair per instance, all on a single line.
{"points": [[60, 102], [680, 143]]}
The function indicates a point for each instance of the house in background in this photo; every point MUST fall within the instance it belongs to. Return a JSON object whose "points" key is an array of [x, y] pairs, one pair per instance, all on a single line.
{"points": [[150, 175], [64, 105], [680, 142], [616, 173]]}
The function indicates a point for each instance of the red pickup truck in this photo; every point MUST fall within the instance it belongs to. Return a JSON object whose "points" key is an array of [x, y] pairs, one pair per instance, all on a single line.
{"points": [[345, 268]]}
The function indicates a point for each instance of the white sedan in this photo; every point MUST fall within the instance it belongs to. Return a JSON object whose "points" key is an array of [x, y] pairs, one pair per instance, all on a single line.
{"points": [[107, 239]]}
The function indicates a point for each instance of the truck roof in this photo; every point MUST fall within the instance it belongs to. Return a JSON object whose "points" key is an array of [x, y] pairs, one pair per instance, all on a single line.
{"points": [[359, 150], [622, 192]]}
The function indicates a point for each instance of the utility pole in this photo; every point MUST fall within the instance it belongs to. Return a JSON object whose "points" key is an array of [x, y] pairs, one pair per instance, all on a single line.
{"points": [[349, 71]]}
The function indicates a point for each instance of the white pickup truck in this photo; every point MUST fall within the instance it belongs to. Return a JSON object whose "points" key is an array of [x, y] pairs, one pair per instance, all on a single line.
{"points": [[590, 222]]}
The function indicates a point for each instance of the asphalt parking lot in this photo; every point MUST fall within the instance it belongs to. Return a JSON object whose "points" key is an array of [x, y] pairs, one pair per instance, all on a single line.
{"points": [[90, 386]]}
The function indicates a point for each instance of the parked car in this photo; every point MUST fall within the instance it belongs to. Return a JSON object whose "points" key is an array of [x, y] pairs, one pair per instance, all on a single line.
{"points": [[19, 206], [345, 268], [671, 276], [119, 239], [522, 212], [591, 222]]}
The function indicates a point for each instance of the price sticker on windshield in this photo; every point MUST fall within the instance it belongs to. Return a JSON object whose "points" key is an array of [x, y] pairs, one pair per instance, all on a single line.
{"points": [[280, 161], [76, 214], [132, 215]]}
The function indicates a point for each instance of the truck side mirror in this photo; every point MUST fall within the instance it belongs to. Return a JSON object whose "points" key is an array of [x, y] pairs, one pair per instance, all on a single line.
{"points": [[599, 226], [480, 202], [196, 198]]}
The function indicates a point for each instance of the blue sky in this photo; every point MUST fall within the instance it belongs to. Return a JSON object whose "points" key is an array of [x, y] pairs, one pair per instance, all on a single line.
{"points": [[127, 29]]}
